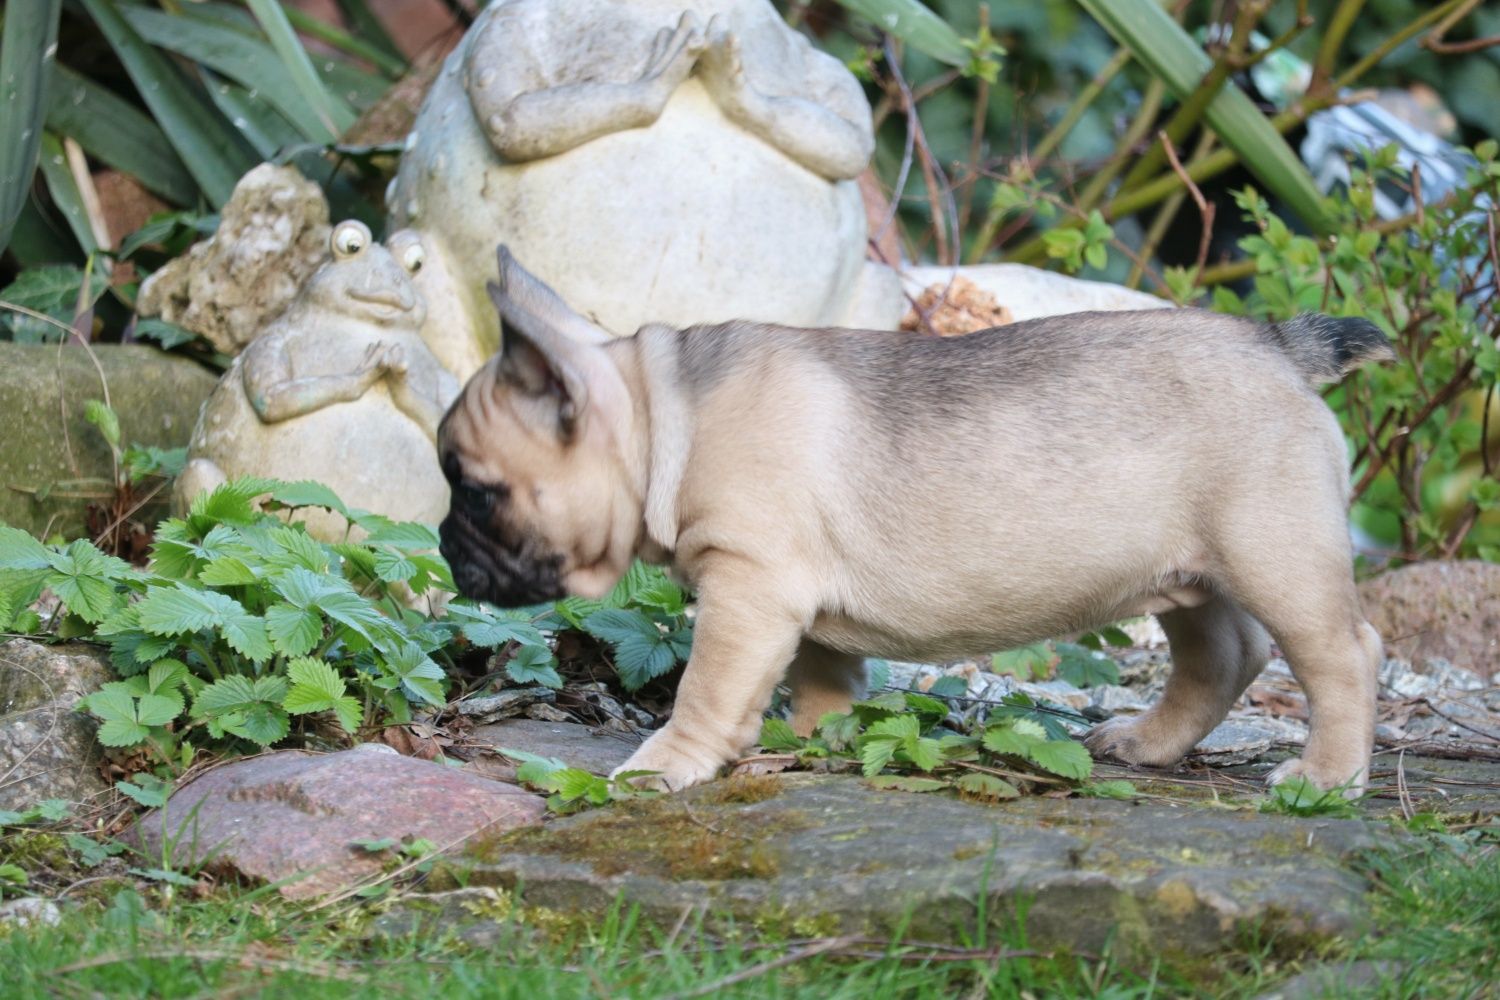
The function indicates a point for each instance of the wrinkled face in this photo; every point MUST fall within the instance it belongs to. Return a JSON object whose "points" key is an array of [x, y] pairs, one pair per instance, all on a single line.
{"points": [[370, 282], [542, 503]]}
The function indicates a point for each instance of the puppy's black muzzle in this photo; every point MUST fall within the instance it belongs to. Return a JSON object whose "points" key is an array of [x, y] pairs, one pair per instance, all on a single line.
{"points": [[510, 571]]}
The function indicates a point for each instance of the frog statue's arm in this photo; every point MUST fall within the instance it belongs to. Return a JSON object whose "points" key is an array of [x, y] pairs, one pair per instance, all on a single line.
{"points": [[421, 388], [530, 109], [828, 131], [277, 395]]}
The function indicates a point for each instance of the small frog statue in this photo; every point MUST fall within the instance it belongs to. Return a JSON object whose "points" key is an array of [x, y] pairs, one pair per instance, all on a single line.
{"points": [[340, 388], [677, 161]]}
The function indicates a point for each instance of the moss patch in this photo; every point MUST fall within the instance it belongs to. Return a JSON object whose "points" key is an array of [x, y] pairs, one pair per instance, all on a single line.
{"points": [[665, 837]]}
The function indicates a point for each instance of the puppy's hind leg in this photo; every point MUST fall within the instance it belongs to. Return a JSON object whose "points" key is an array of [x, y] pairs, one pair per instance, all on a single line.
{"points": [[1217, 650], [822, 680], [1297, 580]]}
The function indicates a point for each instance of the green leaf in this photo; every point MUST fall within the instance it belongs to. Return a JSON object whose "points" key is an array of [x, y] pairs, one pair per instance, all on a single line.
{"points": [[20, 551], [182, 608], [874, 755], [1108, 790], [916, 25], [84, 580], [247, 635], [228, 503], [293, 631], [211, 150], [115, 132], [402, 535], [66, 197], [777, 735], [1064, 757], [534, 664], [906, 783], [838, 729], [1170, 54], [336, 116], [147, 789], [1084, 668], [315, 678], [307, 493], [51, 290], [987, 787], [949, 687], [168, 335], [27, 48]]}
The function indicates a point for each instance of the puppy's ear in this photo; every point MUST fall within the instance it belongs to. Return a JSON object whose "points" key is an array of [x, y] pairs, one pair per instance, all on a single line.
{"points": [[549, 352]]}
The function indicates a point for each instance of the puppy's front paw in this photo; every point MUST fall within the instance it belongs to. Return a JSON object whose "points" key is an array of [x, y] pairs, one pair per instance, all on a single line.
{"points": [[1135, 741], [680, 763], [1325, 776]]}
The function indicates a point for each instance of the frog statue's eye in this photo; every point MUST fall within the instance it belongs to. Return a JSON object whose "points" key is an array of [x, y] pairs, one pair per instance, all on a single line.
{"points": [[407, 247], [349, 239], [412, 258]]}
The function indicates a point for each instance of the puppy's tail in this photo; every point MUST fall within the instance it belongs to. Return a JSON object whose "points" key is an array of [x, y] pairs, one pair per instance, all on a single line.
{"points": [[1326, 349]]}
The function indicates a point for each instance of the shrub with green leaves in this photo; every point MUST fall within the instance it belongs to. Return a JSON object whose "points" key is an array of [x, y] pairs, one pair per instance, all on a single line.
{"points": [[244, 621], [1426, 455], [898, 740]]}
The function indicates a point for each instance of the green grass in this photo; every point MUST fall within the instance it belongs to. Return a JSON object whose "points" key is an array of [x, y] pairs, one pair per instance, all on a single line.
{"points": [[1434, 918]]}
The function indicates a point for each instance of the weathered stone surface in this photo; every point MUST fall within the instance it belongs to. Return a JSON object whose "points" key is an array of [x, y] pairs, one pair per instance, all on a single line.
{"points": [[1447, 610], [272, 235], [47, 749], [570, 742], [53, 461], [296, 816], [829, 854]]}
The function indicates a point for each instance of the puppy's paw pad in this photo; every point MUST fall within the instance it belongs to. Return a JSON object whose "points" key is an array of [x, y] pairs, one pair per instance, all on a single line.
{"points": [[1325, 777]]}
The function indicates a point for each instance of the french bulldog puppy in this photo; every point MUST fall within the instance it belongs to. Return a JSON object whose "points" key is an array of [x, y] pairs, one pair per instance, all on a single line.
{"points": [[832, 494]]}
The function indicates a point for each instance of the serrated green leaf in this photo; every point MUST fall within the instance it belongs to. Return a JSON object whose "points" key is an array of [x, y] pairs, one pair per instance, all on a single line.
{"points": [[52, 290], [987, 787], [20, 551], [925, 753], [1083, 668], [122, 733], [293, 631], [392, 566], [307, 493], [102, 416], [158, 709], [874, 755], [181, 608], [404, 535], [226, 571], [838, 729], [906, 783], [777, 735], [261, 723], [247, 635], [316, 675], [112, 703], [533, 665], [1109, 790], [1063, 757]]}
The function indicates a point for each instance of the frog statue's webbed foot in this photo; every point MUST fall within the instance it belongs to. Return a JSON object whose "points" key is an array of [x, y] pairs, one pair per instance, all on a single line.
{"points": [[807, 104], [200, 475], [535, 100]]}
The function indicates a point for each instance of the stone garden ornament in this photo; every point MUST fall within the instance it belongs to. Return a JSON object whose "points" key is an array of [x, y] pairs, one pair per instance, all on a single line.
{"points": [[655, 160], [340, 388]]}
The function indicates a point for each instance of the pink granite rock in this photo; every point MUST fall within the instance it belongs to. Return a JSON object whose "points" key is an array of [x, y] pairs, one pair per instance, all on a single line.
{"points": [[298, 816]]}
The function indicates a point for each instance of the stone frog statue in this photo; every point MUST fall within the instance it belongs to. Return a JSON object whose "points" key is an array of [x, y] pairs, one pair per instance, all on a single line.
{"points": [[340, 388], [655, 160]]}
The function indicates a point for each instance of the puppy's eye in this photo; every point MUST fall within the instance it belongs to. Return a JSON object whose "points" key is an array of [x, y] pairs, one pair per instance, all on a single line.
{"points": [[476, 499]]}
